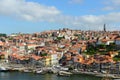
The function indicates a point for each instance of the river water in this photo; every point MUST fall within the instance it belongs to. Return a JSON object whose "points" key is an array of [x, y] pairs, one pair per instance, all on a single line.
{"points": [[31, 76]]}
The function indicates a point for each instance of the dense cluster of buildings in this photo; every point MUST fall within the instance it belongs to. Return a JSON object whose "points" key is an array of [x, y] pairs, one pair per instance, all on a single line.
{"points": [[65, 47]]}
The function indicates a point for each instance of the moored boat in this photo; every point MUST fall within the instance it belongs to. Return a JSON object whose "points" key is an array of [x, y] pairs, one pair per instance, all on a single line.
{"points": [[64, 73], [40, 71], [3, 69], [27, 70]]}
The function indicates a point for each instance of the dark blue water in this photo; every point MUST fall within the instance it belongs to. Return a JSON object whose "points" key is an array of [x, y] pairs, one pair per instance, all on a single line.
{"points": [[31, 76]]}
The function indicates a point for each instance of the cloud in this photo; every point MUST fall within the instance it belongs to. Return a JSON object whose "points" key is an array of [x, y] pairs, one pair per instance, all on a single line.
{"points": [[75, 1], [27, 10], [116, 2], [32, 11], [108, 8], [111, 5], [90, 21]]}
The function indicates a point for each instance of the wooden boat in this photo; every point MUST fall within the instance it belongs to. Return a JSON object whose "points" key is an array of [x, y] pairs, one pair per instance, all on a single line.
{"points": [[64, 73], [40, 71], [3, 69], [27, 70]]}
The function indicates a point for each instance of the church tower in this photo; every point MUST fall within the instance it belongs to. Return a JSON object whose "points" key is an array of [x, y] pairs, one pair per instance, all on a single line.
{"points": [[104, 29]]}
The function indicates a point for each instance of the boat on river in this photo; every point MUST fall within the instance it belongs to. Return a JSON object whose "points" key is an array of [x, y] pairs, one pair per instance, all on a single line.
{"points": [[27, 70], [40, 71], [64, 73], [3, 69]]}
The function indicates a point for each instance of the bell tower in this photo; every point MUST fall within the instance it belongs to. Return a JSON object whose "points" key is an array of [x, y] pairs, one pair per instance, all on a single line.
{"points": [[104, 28]]}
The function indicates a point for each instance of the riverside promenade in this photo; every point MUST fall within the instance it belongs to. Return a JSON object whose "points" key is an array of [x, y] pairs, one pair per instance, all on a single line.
{"points": [[112, 76], [22, 68]]}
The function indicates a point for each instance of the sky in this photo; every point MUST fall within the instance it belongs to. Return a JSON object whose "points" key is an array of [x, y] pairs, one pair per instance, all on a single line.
{"points": [[29, 16]]}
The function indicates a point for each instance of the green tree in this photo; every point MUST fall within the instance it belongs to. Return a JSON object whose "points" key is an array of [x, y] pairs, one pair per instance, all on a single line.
{"points": [[3, 35], [117, 57], [91, 50]]}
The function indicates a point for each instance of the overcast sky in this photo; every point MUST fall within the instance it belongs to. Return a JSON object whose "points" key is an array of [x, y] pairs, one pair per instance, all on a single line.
{"points": [[30, 16]]}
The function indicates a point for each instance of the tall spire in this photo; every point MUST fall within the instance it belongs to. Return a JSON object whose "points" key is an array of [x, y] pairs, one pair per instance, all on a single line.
{"points": [[104, 28]]}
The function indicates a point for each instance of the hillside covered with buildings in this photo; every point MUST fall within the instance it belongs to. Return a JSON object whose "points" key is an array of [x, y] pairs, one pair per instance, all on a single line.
{"points": [[83, 50]]}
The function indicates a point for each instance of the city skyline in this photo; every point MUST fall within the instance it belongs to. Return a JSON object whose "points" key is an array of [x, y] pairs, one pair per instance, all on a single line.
{"points": [[30, 16]]}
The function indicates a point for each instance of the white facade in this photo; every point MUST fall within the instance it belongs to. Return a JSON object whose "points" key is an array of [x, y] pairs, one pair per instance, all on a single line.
{"points": [[54, 59], [108, 42]]}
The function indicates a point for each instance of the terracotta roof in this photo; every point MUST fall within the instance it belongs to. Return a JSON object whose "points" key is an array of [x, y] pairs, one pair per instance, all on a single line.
{"points": [[36, 57], [1, 43], [118, 39]]}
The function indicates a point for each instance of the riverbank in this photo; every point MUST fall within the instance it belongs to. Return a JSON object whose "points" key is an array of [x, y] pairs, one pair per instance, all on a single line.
{"points": [[31, 69], [102, 75], [32, 76]]}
